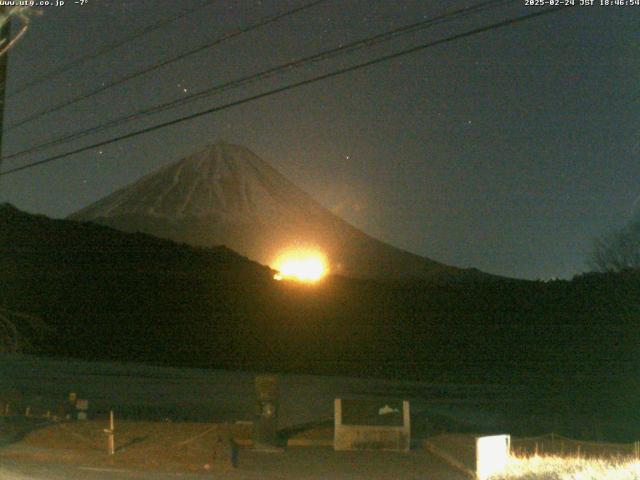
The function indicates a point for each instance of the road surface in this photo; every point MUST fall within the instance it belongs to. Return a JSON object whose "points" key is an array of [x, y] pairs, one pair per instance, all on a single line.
{"points": [[294, 463]]}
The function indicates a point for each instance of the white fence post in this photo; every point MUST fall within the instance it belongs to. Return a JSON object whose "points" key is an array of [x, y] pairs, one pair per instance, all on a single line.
{"points": [[111, 443]]}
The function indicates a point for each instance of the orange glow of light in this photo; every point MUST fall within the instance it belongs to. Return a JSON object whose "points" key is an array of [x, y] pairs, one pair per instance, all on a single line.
{"points": [[300, 265]]}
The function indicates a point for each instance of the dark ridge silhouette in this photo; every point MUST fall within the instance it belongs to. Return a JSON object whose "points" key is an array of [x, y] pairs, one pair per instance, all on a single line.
{"points": [[109, 295], [113, 295]]}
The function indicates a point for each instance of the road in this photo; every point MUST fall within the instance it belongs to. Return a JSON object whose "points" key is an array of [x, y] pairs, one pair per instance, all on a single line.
{"points": [[294, 463]]}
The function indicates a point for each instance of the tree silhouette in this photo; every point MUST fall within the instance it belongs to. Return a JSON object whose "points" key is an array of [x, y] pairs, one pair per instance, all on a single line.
{"points": [[618, 251]]}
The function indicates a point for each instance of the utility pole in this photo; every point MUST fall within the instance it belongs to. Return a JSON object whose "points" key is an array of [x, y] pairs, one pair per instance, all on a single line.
{"points": [[5, 34]]}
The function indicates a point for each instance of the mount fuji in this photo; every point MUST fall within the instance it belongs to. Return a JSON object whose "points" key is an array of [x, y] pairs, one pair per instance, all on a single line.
{"points": [[227, 195]]}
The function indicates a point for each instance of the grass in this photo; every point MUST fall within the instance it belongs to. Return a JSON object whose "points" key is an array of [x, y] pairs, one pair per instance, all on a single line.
{"points": [[5, 475], [545, 467]]}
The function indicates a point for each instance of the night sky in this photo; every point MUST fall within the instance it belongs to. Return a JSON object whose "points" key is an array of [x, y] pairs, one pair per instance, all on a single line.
{"points": [[508, 151]]}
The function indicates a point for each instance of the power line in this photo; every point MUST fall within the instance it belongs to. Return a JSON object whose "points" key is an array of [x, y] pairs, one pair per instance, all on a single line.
{"points": [[324, 55], [291, 86], [234, 33], [108, 48]]}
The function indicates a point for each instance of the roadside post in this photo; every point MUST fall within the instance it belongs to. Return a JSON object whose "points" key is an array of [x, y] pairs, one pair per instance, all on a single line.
{"points": [[265, 426], [111, 442]]}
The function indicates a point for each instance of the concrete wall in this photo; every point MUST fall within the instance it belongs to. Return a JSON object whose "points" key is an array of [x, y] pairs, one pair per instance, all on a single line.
{"points": [[371, 437]]}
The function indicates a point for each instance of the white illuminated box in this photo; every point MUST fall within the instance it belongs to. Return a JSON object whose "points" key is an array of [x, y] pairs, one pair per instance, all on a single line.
{"points": [[492, 454]]}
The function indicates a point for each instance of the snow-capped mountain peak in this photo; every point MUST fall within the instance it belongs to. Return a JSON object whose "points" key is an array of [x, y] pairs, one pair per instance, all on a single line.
{"points": [[227, 195]]}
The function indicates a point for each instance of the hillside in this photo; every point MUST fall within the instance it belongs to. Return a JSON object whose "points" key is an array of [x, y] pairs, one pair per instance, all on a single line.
{"points": [[113, 295]]}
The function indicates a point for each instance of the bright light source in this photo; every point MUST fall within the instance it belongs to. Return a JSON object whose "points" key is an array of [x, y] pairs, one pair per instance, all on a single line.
{"points": [[300, 265], [492, 454]]}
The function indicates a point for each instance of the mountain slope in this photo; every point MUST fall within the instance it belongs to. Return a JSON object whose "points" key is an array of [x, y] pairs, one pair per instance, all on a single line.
{"points": [[106, 294], [113, 295], [226, 195]]}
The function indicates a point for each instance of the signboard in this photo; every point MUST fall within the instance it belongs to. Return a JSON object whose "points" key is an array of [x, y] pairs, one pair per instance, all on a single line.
{"points": [[372, 412], [492, 455], [372, 424]]}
